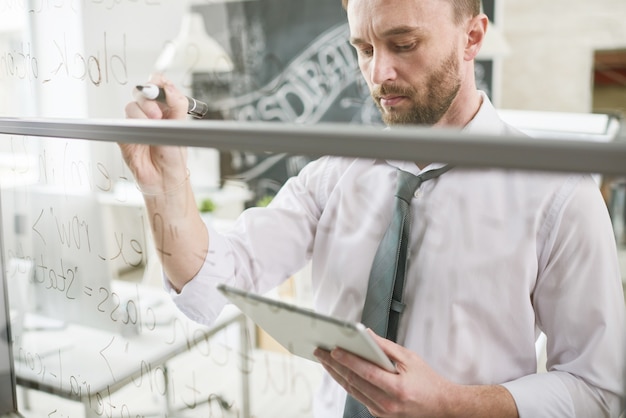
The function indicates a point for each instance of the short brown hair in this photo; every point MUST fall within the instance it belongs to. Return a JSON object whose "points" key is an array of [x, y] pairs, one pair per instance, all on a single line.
{"points": [[462, 8]]}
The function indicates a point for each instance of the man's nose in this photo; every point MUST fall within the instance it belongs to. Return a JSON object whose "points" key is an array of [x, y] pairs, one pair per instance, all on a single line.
{"points": [[382, 68]]}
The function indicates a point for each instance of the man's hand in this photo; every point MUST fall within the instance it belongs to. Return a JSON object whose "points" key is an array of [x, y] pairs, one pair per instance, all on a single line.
{"points": [[157, 168], [415, 386], [415, 390]]}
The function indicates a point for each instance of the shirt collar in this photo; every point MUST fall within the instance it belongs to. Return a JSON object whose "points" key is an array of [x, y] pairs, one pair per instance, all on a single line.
{"points": [[486, 121]]}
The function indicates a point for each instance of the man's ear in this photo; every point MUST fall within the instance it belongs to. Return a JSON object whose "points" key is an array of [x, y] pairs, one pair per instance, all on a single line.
{"points": [[476, 31]]}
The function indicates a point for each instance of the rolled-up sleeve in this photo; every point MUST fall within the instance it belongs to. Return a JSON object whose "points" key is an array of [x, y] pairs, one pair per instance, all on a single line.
{"points": [[199, 299], [264, 247]]}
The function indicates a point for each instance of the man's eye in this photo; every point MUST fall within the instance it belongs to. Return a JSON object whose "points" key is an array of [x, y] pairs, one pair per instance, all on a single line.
{"points": [[366, 52], [405, 47]]}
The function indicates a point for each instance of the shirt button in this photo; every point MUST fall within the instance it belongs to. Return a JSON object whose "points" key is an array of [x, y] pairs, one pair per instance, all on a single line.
{"points": [[417, 193]]}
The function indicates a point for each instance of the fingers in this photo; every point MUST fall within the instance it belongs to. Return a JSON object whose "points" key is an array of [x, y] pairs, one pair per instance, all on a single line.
{"points": [[350, 381], [391, 349], [134, 111], [143, 108], [173, 107], [360, 378]]}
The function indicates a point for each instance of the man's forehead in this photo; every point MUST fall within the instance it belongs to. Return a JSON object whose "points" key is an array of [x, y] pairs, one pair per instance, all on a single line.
{"points": [[390, 7], [393, 17]]}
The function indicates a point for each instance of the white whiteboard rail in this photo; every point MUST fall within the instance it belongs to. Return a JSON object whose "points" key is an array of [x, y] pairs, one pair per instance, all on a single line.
{"points": [[406, 143]]}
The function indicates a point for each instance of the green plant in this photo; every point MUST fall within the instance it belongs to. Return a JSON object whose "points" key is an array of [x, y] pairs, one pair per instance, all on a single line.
{"points": [[206, 205], [264, 201]]}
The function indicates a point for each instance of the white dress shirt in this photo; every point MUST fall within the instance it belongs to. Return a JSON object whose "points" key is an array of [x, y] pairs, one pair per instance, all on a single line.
{"points": [[496, 256]]}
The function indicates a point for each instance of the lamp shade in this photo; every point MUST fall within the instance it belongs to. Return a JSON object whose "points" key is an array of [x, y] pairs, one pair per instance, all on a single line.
{"points": [[193, 50]]}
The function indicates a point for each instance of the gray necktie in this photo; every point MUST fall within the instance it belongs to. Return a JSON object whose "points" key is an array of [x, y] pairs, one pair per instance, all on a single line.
{"points": [[383, 301]]}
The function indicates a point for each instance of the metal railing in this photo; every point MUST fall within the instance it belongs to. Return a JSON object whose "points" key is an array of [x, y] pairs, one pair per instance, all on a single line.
{"points": [[404, 143]]}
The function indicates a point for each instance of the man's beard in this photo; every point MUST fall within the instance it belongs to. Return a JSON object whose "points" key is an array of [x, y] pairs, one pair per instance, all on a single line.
{"points": [[443, 85]]}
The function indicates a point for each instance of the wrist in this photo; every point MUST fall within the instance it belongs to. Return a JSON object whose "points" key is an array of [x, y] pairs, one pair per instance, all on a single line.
{"points": [[166, 188], [450, 399], [478, 401]]}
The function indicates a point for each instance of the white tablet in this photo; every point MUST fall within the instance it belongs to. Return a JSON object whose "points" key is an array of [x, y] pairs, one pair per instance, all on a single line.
{"points": [[301, 330]]}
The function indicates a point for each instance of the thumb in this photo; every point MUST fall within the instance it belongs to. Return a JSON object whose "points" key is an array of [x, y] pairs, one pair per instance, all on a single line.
{"points": [[391, 349]]}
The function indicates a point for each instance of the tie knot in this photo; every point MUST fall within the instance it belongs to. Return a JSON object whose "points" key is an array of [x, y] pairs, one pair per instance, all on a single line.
{"points": [[408, 183]]}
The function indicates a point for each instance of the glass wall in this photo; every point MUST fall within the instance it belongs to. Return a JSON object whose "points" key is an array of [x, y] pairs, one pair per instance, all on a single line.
{"points": [[94, 331]]}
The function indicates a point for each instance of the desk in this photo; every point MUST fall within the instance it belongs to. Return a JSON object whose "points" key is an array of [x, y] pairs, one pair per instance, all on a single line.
{"points": [[87, 365]]}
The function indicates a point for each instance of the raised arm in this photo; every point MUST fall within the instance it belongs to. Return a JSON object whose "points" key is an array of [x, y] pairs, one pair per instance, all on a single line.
{"points": [[161, 173]]}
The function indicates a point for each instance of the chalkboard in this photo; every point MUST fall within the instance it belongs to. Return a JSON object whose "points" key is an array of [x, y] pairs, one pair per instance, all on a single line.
{"points": [[295, 66]]}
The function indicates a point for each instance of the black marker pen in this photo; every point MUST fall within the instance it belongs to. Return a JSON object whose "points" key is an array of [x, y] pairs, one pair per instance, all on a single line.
{"points": [[195, 108]]}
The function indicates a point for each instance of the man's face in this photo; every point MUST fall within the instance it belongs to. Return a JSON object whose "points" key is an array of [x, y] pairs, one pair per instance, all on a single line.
{"points": [[409, 54]]}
